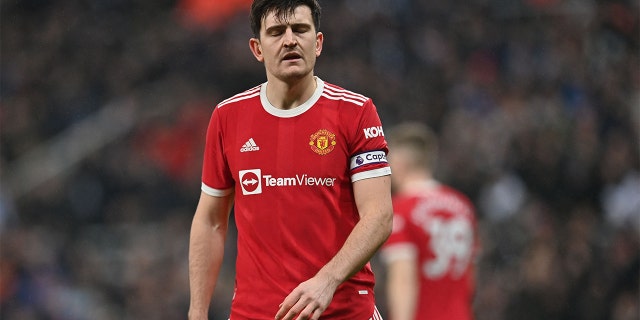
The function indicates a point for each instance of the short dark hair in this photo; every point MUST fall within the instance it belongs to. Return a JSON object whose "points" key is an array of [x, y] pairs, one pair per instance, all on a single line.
{"points": [[417, 137], [282, 9]]}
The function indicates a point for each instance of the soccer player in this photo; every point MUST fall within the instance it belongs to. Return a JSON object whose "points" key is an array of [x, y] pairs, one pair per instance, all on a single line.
{"points": [[430, 252], [303, 162]]}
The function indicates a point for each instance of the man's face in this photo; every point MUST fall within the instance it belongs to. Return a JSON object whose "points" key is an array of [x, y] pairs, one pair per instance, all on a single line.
{"points": [[288, 47], [398, 159]]}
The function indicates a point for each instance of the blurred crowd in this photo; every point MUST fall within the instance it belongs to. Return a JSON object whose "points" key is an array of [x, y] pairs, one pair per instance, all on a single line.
{"points": [[536, 104]]}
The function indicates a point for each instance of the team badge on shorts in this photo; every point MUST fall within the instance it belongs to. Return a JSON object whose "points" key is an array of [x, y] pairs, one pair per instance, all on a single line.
{"points": [[322, 142]]}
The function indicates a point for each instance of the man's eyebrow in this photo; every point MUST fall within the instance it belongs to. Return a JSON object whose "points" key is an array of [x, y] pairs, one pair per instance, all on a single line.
{"points": [[275, 27], [285, 25]]}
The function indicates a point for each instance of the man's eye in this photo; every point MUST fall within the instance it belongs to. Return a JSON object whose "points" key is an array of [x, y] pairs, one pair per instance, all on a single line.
{"points": [[275, 32]]}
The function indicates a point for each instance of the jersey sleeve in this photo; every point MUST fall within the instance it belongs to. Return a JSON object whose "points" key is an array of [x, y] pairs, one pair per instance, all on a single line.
{"points": [[400, 245], [368, 157], [217, 180]]}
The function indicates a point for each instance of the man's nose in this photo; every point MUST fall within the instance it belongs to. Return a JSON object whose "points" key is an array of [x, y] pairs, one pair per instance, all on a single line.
{"points": [[289, 38]]}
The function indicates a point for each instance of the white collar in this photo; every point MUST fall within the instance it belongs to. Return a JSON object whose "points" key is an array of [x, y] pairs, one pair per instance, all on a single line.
{"points": [[290, 113]]}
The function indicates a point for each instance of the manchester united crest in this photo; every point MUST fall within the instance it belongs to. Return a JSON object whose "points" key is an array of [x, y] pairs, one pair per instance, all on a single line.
{"points": [[322, 142]]}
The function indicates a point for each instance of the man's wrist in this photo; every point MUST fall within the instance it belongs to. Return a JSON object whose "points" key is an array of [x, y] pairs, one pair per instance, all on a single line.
{"points": [[331, 278]]}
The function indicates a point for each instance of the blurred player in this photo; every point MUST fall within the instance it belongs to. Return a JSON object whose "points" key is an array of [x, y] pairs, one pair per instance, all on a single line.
{"points": [[430, 253], [304, 163]]}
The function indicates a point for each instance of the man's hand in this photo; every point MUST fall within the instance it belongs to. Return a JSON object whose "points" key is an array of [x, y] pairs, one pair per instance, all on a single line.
{"points": [[308, 300]]}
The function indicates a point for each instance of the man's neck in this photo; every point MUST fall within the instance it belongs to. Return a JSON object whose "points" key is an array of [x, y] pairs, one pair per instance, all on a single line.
{"points": [[417, 183], [288, 95]]}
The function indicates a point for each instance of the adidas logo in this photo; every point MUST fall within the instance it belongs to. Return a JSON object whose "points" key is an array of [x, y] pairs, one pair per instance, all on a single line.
{"points": [[249, 146]]}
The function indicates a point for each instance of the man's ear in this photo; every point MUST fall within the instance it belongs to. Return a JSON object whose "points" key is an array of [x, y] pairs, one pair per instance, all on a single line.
{"points": [[256, 49], [319, 41]]}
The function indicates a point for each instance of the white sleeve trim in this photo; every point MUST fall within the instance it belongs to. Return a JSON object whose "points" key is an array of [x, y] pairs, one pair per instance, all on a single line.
{"points": [[399, 251], [216, 192], [371, 174]]}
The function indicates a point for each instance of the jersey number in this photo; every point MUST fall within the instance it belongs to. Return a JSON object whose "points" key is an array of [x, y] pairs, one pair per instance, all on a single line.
{"points": [[451, 243]]}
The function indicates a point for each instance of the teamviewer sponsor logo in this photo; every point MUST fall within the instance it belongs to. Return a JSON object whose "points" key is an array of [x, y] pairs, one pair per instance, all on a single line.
{"points": [[250, 145], [253, 180], [250, 181]]}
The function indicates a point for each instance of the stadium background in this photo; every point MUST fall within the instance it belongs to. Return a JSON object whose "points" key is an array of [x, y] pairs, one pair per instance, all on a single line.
{"points": [[104, 104]]}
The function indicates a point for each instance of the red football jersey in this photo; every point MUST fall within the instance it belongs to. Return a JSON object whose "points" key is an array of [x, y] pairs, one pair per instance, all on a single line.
{"points": [[437, 227], [292, 173]]}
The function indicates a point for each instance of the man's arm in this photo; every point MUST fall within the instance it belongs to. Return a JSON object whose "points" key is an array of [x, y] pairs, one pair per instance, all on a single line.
{"points": [[206, 249], [402, 288], [312, 297]]}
